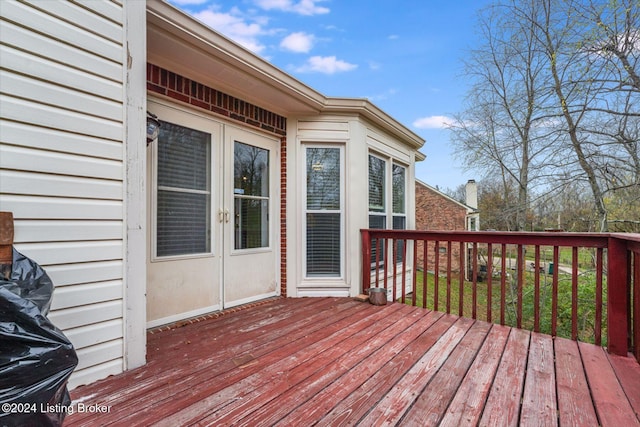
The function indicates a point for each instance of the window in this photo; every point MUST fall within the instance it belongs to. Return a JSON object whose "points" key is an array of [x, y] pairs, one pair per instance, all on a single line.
{"points": [[323, 212], [251, 196], [399, 205], [377, 205], [379, 215], [183, 225]]}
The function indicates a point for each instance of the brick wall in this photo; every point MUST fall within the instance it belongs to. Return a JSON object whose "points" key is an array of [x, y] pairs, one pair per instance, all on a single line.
{"points": [[185, 90], [436, 212], [182, 89]]}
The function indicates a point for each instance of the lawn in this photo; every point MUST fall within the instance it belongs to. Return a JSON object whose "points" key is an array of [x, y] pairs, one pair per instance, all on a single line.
{"points": [[586, 299]]}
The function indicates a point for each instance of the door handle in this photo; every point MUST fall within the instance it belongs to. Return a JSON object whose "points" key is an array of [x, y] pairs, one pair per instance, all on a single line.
{"points": [[227, 215], [220, 215]]}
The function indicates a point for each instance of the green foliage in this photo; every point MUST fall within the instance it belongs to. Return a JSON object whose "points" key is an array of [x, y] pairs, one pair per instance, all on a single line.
{"points": [[585, 297]]}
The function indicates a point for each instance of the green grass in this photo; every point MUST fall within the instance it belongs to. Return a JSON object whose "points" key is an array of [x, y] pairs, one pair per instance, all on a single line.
{"points": [[585, 297], [586, 256]]}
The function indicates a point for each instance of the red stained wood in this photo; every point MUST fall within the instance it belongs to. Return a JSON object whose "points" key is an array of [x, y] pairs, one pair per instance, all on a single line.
{"points": [[628, 372], [574, 401], [430, 407], [503, 404], [335, 361], [390, 409], [617, 299], [359, 402], [205, 393], [611, 403], [539, 398], [396, 357], [468, 403], [310, 376], [536, 293]]}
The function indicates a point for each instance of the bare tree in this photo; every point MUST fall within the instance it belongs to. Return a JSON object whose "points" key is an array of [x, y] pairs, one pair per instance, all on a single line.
{"points": [[503, 129], [556, 100]]}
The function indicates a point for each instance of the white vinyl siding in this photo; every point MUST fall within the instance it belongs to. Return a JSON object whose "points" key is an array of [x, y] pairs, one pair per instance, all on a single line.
{"points": [[61, 164]]}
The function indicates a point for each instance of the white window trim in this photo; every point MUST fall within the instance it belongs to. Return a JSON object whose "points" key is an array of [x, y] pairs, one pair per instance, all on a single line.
{"points": [[324, 279], [388, 213]]}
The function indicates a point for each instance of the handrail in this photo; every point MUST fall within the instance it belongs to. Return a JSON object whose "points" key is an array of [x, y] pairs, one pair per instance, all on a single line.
{"points": [[615, 281]]}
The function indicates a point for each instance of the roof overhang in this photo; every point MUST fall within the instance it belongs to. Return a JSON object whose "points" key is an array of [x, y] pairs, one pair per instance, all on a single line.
{"points": [[469, 209], [371, 112], [184, 45]]}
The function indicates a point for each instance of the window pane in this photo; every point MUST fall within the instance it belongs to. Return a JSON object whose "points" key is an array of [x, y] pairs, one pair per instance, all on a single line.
{"points": [[323, 244], [379, 222], [251, 170], [251, 223], [399, 223], [183, 201], [376, 184], [323, 178], [398, 189], [183, 223], [183, 157]]}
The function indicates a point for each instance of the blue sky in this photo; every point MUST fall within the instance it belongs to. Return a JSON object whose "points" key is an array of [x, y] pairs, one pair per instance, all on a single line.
{"points": [[403, 55]]}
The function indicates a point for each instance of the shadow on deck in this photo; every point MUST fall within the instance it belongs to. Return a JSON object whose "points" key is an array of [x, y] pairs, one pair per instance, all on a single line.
{"points": [[335, 361]]}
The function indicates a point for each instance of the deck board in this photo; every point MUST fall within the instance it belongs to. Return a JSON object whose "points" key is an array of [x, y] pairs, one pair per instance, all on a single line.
{"points": [[430, 406], [336, 361], [628, 373], [508, 383], [611, 404], [574, 399], [468, 403]]}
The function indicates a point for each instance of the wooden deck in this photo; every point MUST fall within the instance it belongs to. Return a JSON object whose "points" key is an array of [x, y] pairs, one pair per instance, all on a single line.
{"points": [[336, 361]]}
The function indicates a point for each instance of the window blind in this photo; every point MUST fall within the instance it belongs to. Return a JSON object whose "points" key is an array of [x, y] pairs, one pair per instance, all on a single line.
{"points": [[183, 199]]}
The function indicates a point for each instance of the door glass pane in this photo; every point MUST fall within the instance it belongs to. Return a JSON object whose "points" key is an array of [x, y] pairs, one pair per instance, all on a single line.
{"points": [[251, 196], [251, 223], [183, 157], [250, 170], [183, 224]]}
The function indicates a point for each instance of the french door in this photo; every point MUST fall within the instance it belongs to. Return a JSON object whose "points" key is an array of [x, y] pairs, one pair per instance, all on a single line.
{"points": [[212, 218]]}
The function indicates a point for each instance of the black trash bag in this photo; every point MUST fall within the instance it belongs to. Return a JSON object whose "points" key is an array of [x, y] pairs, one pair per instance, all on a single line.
{"points": [[36, 359], [29, 281]]}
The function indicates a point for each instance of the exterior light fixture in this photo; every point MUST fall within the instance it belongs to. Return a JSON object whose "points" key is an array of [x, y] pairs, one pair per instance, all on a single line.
{"points": [[153, 127]]}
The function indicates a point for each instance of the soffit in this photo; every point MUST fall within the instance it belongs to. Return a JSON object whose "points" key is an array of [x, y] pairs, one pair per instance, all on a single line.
{"points": [[180, 43], [183, 45]]}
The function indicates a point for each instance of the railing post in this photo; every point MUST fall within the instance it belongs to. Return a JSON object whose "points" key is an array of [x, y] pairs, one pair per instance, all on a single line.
{"points": [[617, 296], [366, 260]]}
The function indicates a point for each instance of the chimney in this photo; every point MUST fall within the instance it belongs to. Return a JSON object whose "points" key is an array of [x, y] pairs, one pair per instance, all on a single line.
{"points": [[471, 190]]}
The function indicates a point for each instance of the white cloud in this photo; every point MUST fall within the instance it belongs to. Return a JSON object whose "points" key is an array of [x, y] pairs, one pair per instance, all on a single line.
{"points": [[188, 2], [326, 65], [382, 96], [234, 26], [301, 7], [433, 122], [298, 42]]}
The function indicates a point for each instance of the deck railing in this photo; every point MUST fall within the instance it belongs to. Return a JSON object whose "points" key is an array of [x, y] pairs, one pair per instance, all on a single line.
{"points": [[584, 286]]}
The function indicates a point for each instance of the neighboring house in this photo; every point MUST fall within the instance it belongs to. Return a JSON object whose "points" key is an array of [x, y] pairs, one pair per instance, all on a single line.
{"points": [[438, 211], [254, 188]]}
